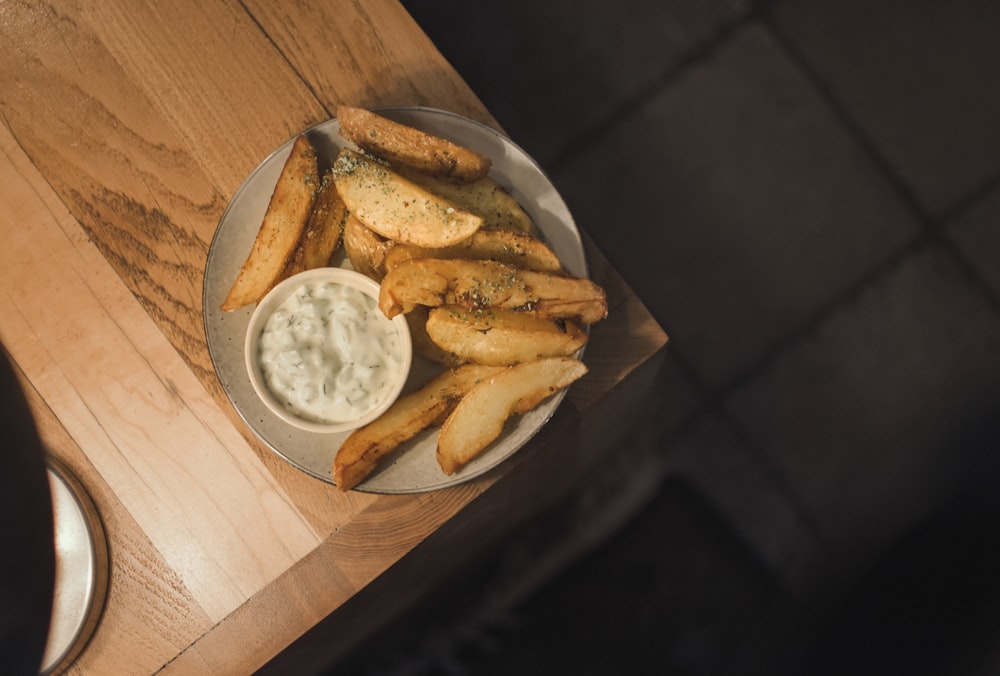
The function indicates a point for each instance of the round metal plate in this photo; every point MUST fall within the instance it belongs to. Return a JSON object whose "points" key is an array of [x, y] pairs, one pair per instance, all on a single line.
{"points": [[413, 467], [81, 569]]}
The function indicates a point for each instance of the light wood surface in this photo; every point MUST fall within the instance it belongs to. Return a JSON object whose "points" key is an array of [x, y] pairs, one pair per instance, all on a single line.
{"points": [[126, 127]]}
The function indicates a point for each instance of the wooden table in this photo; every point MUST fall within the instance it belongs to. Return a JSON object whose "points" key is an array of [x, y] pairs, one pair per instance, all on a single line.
{"points": [[127, 126]]}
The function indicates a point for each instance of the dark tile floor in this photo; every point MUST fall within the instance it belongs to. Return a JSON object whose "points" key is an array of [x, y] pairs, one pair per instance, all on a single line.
{"points": [[807, 195]]}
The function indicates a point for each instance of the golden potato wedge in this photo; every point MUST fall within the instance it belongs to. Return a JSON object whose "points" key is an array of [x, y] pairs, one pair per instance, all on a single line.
{"points": [[504, 246], [405, 419], [488, 284], [282, 226], [365, 248], [323, 230], [501, 337], [402, 144], [416, 319], [397, 208], [485, 197], [479, 417]]}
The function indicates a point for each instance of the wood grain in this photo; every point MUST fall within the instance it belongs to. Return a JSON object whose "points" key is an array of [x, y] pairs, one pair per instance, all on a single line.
{"points": [[124, 395], [337, 47], [149, 615]]}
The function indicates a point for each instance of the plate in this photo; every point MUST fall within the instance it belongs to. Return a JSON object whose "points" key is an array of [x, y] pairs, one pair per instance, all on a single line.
{"points": [[82, 572], [413, 467]]}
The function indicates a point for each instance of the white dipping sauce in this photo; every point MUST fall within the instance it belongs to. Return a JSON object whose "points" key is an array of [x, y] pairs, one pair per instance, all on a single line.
{"points": [[328, 354]]}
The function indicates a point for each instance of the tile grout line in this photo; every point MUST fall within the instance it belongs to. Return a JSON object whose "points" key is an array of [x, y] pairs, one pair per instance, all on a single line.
{"points": [[967, 202], [928, 236], [850, 125], [713, 407], [701, 51], [951, 246], [932, 226], [822, 312]]}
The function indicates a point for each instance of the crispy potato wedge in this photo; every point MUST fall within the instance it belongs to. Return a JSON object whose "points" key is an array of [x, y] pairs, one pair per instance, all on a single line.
{"points": [[423, 345], [284, 220], [323, 230], [504, 246], [405, 419], [488, 284], [397, 208], [479, 417], [501, 337], [485, 197], [365, 248], [405, 145]]}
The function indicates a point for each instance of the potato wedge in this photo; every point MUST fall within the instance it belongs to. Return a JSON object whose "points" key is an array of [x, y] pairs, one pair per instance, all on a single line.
{"points": [[405, 145], [365, 248], [323, 230], [479, 417], [282, 226], [504, 246], [423, 345], [501, 337], [397, 208], [488, 284], [405, 419], [485, 197]]}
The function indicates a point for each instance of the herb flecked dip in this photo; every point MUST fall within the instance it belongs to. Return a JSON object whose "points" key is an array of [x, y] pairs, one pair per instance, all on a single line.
{"points": [[328, 354]]}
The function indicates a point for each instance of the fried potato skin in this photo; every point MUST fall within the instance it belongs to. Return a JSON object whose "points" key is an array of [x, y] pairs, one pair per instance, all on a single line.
{"points": [[365, 248], [501, 337], [406, 418], [323, 230], [399, 209], [284, 220], [479, 417], [402, 144], [424, 345], [485, 197], [488, 284], [504, 246]]}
